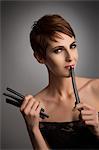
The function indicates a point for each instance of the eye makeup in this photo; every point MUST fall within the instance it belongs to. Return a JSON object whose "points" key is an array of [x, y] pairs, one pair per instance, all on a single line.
{"points": [[57, 48], [73, 45]]}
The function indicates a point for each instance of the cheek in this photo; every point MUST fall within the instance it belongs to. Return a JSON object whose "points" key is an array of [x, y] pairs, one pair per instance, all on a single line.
{"points": [[53, 63], [76, 55]]}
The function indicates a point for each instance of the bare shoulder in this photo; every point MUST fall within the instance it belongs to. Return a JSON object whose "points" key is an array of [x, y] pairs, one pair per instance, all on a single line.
{"points": [[96, 82], [83, 82], [95, 86], [90, 85], [93, 82], [89, 90]]}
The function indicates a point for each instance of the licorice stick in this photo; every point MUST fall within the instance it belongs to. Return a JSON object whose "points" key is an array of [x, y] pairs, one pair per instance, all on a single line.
{"points": [[74, 85], [42, 114], [15, 92]]}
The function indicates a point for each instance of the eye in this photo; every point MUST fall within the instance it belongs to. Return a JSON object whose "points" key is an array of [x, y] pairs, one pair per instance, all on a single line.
{"points": [[58, 51], [73, 46]]}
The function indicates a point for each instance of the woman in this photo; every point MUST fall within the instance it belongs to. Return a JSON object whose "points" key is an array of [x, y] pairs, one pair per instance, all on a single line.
{"points": [[54, 44]]}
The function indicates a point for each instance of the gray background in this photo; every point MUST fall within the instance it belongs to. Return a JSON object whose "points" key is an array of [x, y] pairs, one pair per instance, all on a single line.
{"points": [[0, 75], [21, 71]]}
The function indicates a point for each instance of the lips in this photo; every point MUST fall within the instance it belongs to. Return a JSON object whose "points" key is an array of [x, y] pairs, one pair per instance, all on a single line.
{"points": [[68, 66]]}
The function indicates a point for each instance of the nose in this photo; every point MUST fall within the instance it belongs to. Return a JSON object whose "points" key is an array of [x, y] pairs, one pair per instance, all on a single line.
{"points": [[68, 57]]}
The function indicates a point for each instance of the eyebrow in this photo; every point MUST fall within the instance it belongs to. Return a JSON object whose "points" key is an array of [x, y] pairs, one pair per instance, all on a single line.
{"points": [[73, 43], [61, 47]]}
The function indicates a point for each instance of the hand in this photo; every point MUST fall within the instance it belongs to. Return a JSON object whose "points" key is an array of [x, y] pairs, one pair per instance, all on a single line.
{"points": [[89, 116], [30, 110]]}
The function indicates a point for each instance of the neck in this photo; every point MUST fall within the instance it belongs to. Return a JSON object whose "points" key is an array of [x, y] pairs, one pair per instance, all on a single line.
{"points": [[60, 86]]}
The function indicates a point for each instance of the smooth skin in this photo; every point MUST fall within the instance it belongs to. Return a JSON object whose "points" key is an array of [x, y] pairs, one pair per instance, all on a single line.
{"points": [[58, 98]]}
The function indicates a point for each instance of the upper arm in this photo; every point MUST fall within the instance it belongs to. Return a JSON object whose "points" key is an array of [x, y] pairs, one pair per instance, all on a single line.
{"points": [[95, 92]]}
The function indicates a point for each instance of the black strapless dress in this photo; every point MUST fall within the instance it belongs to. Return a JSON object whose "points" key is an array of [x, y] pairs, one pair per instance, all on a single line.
{"points": [[68, 135]]}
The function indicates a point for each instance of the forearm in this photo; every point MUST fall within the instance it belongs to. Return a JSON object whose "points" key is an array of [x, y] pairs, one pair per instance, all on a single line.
{"points": [[37, 139], [40, 143], [30, 110]]}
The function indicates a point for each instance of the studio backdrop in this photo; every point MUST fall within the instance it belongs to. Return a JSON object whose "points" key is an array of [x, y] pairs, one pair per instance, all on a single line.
{"points": [[22, 72]]}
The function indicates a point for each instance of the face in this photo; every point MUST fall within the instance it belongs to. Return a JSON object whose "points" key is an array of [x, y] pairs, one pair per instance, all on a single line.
{"points": [[60, 55]]}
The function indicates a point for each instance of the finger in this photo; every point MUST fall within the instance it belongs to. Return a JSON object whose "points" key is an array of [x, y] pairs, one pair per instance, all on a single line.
{"points": [[34, 108], [28, 106], [25, 101], [78, 106], [38, 112], [89, 122], [35, 105], [87, 118], [39, 108], [86, 112], [84, 106]]}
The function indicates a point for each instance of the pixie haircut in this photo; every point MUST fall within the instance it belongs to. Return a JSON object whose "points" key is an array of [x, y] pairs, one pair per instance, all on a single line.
{"points": [[45, 29]]}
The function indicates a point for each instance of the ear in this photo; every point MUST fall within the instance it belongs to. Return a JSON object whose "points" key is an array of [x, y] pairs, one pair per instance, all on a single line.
{"points": [[39, 58]]}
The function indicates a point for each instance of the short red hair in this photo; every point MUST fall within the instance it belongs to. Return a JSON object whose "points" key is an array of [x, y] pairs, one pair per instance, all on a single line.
{"points": [[46, 28]]}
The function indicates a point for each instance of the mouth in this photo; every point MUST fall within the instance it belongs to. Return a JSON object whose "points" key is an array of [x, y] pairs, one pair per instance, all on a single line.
{"points": [[68, 66]]}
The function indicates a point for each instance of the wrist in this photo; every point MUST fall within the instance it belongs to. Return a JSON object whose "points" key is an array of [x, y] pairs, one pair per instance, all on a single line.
{"points": [[97, 131], [35, 129]]}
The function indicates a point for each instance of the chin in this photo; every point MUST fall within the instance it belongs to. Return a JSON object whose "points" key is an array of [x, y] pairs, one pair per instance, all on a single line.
{"points": [[67, 75], [61, 74]]}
